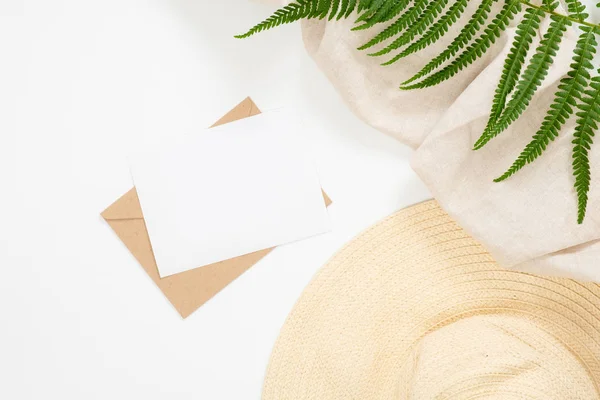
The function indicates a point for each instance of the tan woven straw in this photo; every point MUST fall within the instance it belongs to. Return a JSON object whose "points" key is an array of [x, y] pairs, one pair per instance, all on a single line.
{"points": [[414, 308]]}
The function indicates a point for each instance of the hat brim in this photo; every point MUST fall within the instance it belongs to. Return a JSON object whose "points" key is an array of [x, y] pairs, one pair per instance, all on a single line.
{"points": [[414, 273]]}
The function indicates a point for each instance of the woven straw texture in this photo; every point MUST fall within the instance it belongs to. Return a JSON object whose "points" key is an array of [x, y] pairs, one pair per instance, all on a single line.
{"points": [[414, 308]]}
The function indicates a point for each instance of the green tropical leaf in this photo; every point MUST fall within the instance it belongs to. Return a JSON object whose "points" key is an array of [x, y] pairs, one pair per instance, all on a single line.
{"points": [[569, 91], [437, 30], [346, 11], [576, 10], [385, 13], [377, 11], [587, 123], [526, 30], [404, 20], [470, 29], [426, 18], [532, 78], [291, 13], [474, 51]]}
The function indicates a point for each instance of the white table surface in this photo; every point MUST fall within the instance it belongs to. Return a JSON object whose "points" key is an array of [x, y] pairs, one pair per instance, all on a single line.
{"points": [[81, 84]]}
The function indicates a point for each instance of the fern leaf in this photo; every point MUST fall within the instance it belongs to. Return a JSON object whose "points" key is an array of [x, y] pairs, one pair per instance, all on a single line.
{"points": [[438, 29], [342, 9], [321, 10], [372, 9], [426, 18], [387, 10], [473, 51], [364, 5], [335, 5], [403, 21], [398, 6], [534, 74], [349, 9], [513, 64], [586, 124], [576, 10], [285, 15], [464, 37], [571, 88]]}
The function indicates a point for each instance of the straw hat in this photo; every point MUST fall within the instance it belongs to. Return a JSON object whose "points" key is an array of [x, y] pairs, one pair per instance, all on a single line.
{"points": [[414, 308]]}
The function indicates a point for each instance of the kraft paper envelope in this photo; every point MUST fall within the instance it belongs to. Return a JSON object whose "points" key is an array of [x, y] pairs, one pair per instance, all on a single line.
{"points": [[188, 290]]}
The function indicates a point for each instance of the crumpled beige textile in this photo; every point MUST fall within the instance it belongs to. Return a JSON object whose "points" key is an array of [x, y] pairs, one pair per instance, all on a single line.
{"points": [[528, 222]]}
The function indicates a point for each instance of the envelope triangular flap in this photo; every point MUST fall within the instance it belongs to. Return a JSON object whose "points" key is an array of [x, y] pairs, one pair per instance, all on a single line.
{"points": [[127, 207]]}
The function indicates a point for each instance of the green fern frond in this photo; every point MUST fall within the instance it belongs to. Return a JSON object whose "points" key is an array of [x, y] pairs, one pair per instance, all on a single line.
{"points": [[513, 64], [322, 9], [587, 123], [532, 78], [399, 5], [370, 7], [382, 14], [335, 6], [378, 11], [346, 11], [426, 18], [470, 29], [549, 5], [437, 30], [474, 51], [388, 10], [309, 9], [400, 24], [570, 89], [286, 15], [364, 5], [576, 10]]}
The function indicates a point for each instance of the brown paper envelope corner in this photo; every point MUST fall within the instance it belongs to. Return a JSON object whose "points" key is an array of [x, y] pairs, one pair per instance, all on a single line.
{"points": [[126, 207], [189, 290], [246, 108]]}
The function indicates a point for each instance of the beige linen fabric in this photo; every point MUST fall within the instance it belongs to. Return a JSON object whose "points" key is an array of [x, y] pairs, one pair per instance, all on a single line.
{"points": [[415, 309], [528, 222]]}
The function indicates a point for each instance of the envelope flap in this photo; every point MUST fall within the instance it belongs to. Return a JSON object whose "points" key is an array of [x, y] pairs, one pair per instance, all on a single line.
{"points": [[245, 109], [127, 207]]}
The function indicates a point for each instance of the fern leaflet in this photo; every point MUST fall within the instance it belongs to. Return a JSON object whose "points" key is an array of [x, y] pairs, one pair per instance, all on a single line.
{"points": [[405, 20], [513, 64], [532, 78], [437, 30], [426, 18], [464, 37], [291, 13], [587, 123], [473, 51], [569, 90]]}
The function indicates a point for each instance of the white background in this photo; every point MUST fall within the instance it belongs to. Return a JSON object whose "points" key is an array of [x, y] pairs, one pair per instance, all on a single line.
{"points": [[82, 83]]}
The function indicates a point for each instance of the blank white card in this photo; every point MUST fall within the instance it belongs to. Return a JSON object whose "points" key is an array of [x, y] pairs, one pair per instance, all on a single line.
{"points": [[228, 191]]}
